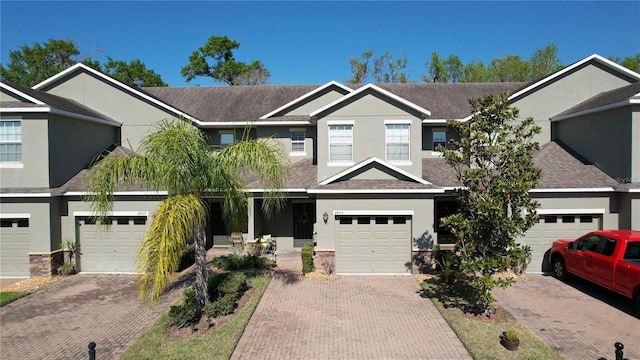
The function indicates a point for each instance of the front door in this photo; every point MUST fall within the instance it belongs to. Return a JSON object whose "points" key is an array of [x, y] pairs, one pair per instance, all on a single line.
{"points": [[303, 218]]}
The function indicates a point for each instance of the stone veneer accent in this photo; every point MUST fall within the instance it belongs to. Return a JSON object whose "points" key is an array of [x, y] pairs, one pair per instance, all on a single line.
{"points": [[46, 263], [421, 261]]}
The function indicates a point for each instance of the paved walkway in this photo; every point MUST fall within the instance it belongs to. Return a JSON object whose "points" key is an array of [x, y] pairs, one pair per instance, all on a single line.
{"points": [[59, 321], [351, 317], [579, 319]]}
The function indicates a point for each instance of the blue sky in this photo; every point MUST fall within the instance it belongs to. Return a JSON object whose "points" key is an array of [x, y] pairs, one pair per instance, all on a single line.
{"points": [[303, 42]]}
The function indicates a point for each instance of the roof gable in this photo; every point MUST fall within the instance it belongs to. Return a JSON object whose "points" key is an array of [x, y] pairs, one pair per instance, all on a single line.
{"points": [[624, 96], [369, 87], [80, 67], [595, 58], [324, 89], [380, 165]]}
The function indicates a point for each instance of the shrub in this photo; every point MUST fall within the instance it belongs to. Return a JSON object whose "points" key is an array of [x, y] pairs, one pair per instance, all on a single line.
{"points": [[233, 262], [307, 257], [187, 312], [223, 306], [519, 258], [188, 257]]}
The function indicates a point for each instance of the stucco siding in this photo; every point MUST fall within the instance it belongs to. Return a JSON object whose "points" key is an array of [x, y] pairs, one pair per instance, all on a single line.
{"points": [[73, 144], [605, 204], [368, 115], [6, 96], [421, 206], [561, 94], [136, 115], [603, 138], [34, 171], [313, 103]]}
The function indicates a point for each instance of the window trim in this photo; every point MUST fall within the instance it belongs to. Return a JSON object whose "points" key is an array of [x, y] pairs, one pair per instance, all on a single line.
{"points": [[303, 142], [433, 145], [386, 143], [13, 164], [339, 123]]}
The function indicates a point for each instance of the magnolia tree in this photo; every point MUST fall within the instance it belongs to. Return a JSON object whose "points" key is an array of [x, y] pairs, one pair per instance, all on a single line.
{"points": [[493, 160]]}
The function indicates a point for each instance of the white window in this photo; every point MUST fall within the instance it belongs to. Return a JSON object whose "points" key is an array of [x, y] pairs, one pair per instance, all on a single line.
{"points": [[297, 141], [340, 143], [10, 141], [439, 138], [226, 138], [398, 143]]}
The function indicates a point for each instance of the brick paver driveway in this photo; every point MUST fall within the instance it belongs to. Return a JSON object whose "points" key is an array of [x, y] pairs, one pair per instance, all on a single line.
{"points": [[579, 319], [59, 322], [352, 317]]}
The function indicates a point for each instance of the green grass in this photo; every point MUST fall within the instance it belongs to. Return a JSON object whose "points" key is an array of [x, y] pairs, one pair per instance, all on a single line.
{"points": [[215, 344], [7, 297], [481, 336]]}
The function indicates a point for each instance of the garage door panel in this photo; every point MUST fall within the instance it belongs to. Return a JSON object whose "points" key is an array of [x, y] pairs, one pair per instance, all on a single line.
{"points": [[14, 249], [552, 227], [374, 245], [110, 250]]}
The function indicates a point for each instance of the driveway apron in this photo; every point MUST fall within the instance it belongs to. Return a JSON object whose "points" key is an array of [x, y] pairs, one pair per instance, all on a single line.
{"points": [[579, 319], [351, 317], [60, 321]]}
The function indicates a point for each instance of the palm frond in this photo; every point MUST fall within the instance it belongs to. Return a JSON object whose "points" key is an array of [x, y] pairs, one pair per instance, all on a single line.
{"points": [[115, 173], [158, 256]]}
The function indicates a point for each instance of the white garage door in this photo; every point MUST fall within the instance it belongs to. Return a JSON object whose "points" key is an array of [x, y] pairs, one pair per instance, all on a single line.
{"points": [[373, 245], [110, 250], [14, 247], [554, 227]]}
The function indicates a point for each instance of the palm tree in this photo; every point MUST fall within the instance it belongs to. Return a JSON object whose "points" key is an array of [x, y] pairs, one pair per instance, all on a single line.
{"points": [[177, 158]]}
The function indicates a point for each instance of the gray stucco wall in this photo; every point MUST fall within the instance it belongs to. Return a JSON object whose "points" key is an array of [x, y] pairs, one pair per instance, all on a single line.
{"points": [[583, 201], [136, 115], [368, 115], [35, 153], [74, 144], [6, 96], [315, 102], [603, 138], [563, 93]]}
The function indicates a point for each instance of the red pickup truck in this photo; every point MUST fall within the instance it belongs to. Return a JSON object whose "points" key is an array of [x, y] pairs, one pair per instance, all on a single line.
{"points": [[609, 258]]}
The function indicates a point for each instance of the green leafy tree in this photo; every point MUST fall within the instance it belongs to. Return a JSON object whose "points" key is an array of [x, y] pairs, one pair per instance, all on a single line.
{"points": [[133, 73], [454, 67], [493, 160], [177, 158], [33, 64], [544, 61], [510, 68], [630, 62], [475, 71], [216, 60], [438, 72]]}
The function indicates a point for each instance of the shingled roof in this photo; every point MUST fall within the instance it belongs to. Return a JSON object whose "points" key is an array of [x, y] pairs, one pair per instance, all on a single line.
{"points": [[53, 101], [561, 169], [249, 103]]}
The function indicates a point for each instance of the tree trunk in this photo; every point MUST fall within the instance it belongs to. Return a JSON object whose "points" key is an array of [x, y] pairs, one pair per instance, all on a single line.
{"points": [[202, 293]]}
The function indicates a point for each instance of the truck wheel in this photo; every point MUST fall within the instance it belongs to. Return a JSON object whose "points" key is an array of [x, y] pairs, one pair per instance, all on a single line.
{"points": [[559, 268]]}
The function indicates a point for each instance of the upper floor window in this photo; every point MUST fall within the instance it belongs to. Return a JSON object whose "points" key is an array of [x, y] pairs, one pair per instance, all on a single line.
{"points": [[10, 141], [439, 138], [397, 138], [297, 141], [340, 143], [226, 138]]}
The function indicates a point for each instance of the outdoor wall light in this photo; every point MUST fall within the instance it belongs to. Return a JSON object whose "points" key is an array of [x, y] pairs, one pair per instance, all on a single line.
{"points": [[325, 217]]}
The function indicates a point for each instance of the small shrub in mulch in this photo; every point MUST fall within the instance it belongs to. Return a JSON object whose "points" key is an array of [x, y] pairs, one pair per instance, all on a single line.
{"points": [[234, 262], [307, 257]]}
